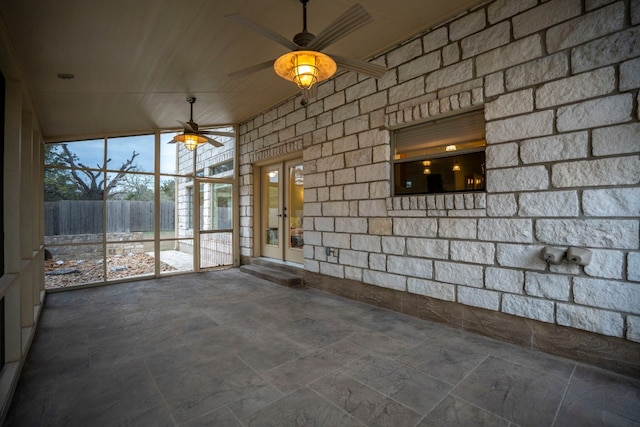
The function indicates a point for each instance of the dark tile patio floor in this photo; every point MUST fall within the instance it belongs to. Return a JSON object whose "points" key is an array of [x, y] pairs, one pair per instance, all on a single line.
{"points": [[227, 349]]}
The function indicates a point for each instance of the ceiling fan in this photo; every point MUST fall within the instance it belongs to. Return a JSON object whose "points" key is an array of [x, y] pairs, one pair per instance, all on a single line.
{"points": [[305, 64], [191, 137]]}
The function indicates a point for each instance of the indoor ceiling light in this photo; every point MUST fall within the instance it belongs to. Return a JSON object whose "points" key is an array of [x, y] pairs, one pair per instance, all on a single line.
{"points": [[456, 167], [305, 67], [451, 148], [426, 171]]}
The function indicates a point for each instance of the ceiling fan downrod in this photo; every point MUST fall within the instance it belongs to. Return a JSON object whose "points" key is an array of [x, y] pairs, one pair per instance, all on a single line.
{"points": [[304, 37]]}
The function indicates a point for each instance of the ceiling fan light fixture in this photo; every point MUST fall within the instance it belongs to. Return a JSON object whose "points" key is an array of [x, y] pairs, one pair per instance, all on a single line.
{"points": [[190, 140], [305, 67]]}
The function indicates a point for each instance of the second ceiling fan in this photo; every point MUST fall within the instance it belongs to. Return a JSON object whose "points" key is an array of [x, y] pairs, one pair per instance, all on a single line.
{"points": [[306, 65]]}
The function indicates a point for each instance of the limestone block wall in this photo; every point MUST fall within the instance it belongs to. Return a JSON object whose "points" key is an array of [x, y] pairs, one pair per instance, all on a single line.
{"points": [[558, 81]]}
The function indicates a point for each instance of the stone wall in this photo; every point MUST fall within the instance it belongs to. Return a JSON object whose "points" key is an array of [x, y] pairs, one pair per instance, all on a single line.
{"points": [[558, 82], [89, 246]]}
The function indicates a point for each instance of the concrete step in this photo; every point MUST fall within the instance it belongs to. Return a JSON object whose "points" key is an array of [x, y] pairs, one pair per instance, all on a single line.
{"points": [[278, 276]]}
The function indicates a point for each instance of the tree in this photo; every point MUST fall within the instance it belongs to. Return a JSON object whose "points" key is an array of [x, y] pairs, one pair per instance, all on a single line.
{"points": [[68, 179], [168, 191]]}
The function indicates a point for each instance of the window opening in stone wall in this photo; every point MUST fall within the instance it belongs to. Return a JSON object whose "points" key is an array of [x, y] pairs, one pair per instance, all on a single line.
{"points": [[441, 156]]}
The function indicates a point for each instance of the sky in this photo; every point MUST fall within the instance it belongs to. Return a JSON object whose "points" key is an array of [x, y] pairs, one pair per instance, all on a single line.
{"points": [[119, 150]]}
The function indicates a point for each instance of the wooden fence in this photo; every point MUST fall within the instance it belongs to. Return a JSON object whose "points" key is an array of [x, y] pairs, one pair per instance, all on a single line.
{"points": [[86, 217]]}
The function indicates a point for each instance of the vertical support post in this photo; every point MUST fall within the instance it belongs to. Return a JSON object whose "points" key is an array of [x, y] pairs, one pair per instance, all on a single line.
{"points": [[26, 220]]}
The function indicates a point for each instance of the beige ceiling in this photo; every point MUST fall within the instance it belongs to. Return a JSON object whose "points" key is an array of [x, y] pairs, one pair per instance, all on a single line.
{"points": [[136, 61]]}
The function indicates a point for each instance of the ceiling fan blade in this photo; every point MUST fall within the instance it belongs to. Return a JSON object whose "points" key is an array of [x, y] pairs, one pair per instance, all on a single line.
{"points": [[250, 70], [373, 70], [216, 133], [173, 141], [186, 126], [213, 142], [351, 20], [268, 33]]}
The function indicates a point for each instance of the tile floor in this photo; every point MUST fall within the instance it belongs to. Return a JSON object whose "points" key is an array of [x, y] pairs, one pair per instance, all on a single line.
{"points": [[227, 349]]}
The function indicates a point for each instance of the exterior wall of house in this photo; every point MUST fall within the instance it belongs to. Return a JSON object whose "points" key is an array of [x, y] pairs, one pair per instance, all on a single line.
{"points": [[558, 82]]}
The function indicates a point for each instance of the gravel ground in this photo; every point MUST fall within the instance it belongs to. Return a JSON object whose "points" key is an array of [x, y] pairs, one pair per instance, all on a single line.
{"points": [[79, 272]]}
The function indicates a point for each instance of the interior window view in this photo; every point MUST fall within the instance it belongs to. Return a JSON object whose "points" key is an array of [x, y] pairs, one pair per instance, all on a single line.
{"points": [[320, 213], [441, 156]]}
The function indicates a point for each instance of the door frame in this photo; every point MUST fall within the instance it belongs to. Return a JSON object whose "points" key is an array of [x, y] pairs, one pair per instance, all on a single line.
{"points": [[258, 168]]}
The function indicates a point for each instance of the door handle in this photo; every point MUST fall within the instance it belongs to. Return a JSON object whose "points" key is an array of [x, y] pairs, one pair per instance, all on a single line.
{"points": [[282, 215]]}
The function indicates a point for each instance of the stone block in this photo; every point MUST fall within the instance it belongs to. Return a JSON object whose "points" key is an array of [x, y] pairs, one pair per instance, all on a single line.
{"points": [[514, 53], [616, 140], [613, 49], [407, 90], [360, 90], [494, 84], [468, 24], [630, 74], [448, 76], [373, 102], [511, 104], [331, 269], [503, 9], [549, 204], [492, 37], [372, 172], [531, 308], [385, 280], [521, 127], [419, 66], [394, 245], [544, 16], [312, 238], [529, 178], [605, 264], [353, 273], [334, 101], [612, 202], [633, 266], [501, 205], [505, 230], [459, 274], [340, 177], [607, 294], [482, 298], [586, 27], [330, 209], [380, 226], [358, 157], [577, 88], [633, 324], [591, 173], [539, 71], [351, 225], [429, 288], [356, 191], [457, 228], [504, 279], [472, 252], [554, 148], [591, 233], [520, 256], [435, 39], [324, 224], [404, 53], [354, 258], [315, 180], [365, 242], [415, 227], [373, 137], [336, 240], [548, 286], [501, 155], [428, 248], [346, 112], [414, 267], [356, 125], [590, 319], [330, 163], [450, 54]]}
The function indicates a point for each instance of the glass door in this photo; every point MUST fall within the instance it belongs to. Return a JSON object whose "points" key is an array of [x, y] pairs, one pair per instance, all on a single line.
{"points": [[215, 233], [282, 211]]}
